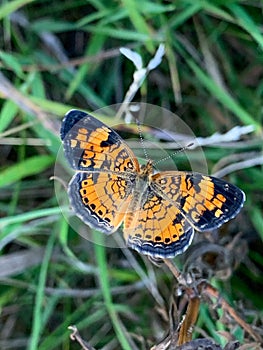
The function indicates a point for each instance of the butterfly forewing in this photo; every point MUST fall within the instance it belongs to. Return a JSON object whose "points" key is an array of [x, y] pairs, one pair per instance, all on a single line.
{"points": [[205, 201], [90, 145], [100, 192]]}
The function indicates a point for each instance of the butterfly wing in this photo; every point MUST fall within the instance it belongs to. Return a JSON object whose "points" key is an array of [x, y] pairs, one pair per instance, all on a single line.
{"points": [[100, 199], [157, 228], [205, 201], [100, 191], [90, 145]]}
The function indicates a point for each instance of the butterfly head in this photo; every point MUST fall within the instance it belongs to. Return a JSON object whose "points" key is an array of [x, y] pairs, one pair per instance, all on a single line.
{"points": [[146, 169]]}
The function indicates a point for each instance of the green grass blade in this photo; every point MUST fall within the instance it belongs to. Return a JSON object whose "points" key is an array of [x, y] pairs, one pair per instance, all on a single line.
{"points": [[124, 34], [11, 6], [34, 214], [95, 45], [105, 287], [39, 301], [28, 167], [245, 21], [189, 11], [61, 333], [138, 21], [12, 63], [229, 102], [7, 114]]}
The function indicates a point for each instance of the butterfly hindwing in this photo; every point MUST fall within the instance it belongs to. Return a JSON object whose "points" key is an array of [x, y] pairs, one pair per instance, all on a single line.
{"points": [[157, 228], [100, 199]]}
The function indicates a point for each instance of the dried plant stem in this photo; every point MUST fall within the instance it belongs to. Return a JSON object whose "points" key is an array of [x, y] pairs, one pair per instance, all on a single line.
{"points": [[211, 292], [76, 337], [193, 306], [186, 329], [176, 273]]}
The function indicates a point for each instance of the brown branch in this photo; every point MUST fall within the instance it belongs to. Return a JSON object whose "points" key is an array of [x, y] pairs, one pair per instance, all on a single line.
{"points": [[211, 292]]}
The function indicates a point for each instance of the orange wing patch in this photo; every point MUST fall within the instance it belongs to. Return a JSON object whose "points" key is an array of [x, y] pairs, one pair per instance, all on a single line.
{"points": [[100, 199], [205, 201], [89, 145], [157, 228]]}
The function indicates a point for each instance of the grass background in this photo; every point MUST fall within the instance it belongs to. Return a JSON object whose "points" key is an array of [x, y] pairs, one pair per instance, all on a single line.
{"points": [[64, 54]]}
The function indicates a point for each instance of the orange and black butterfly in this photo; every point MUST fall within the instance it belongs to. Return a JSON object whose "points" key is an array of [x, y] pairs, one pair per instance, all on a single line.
{"points": [[158, 211]]}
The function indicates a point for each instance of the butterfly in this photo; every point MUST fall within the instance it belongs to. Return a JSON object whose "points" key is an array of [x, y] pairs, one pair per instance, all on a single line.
{"points": [[158, 211]]}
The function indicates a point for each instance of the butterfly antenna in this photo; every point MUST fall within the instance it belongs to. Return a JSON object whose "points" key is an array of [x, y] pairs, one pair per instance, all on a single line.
{"points": [[142, 139], [180, 150]]}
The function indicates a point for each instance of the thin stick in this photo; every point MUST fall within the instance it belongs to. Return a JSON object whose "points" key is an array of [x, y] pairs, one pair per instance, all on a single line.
{"points": [[176, 273], [210, 291], [75, 336]]}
